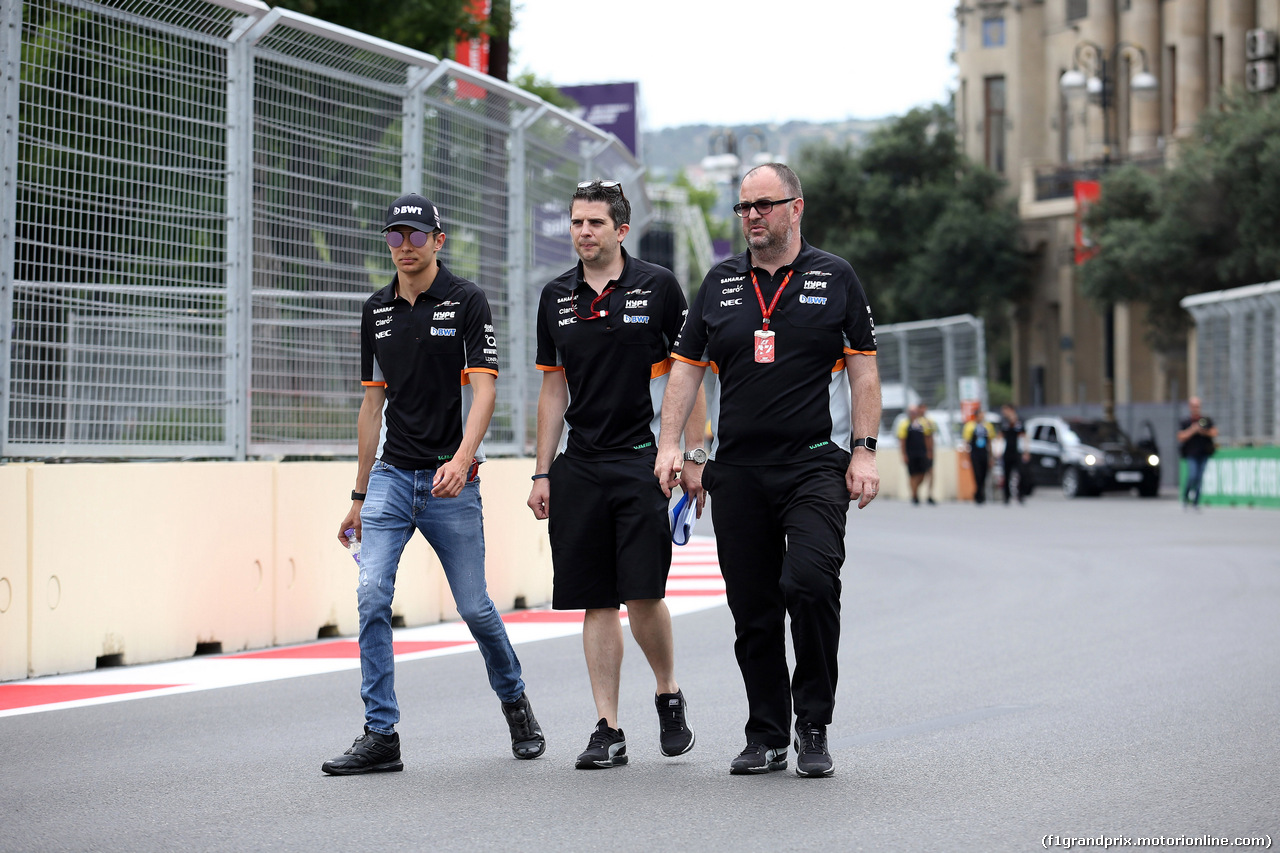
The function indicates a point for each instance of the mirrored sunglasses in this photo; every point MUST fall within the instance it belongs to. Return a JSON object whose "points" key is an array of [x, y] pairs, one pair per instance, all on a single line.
{"points": [[418, 238]]}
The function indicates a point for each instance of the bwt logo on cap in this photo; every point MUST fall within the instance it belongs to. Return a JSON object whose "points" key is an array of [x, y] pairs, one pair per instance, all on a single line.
{"points": [[415, 210], [399, 210]]}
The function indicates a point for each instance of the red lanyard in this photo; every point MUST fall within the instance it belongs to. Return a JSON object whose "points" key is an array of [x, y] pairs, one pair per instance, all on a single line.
{"points": [[595, 315], [768, 312]]}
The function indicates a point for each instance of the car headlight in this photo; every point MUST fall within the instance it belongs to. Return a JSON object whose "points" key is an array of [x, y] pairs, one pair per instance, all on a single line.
{"points": [[1153, 460], [1090, 459]]}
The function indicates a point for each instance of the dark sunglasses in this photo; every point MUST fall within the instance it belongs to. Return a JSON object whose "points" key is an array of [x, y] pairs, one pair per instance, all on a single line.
{"points": [[418, 238], [763, 207], [604, 185]]}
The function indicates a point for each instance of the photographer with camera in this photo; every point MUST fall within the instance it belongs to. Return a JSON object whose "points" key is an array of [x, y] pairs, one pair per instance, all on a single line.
{"points": [[1197, 441]]}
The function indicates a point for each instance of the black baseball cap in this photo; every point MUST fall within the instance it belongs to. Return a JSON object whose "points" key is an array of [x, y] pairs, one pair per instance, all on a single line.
{"points": [[413, 210]]}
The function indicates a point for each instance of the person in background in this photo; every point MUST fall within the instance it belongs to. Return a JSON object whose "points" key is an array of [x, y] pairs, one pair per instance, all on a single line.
{"points": [[1015, 456], [978, 436], [915, 439], [1197, 441]]}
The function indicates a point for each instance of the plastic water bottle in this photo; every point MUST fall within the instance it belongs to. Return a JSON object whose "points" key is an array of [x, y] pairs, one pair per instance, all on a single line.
{"points": [[353, 544]]}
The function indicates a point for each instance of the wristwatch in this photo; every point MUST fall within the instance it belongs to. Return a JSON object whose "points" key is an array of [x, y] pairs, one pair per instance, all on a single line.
{"points": [[697, 456], [869, 443]]}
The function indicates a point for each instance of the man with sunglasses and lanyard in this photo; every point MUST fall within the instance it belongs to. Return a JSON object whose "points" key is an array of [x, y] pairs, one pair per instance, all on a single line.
{"points": [[605, 330], [788, 331], [429, 364]]}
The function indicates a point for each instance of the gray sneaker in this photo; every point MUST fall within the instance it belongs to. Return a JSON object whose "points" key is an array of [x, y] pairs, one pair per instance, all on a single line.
{"points": [[676, 737], [758, 758], [607, 748]]}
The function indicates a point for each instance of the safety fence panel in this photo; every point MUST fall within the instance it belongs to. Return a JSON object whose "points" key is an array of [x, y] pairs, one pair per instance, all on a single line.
{"points": [[1237, 362], [198, 194], [934, 363]]}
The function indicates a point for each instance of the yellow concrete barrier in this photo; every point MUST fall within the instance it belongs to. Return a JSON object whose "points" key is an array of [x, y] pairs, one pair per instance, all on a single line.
{"points": [[142, 562], [14, 598]]}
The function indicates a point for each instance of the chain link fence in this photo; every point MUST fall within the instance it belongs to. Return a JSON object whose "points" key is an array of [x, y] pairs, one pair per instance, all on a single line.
{"points": [[1237, 363], [934, 363], [193, 197]]}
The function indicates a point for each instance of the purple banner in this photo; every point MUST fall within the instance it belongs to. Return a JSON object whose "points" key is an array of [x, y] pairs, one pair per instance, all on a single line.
{"points": [[612, 107]]}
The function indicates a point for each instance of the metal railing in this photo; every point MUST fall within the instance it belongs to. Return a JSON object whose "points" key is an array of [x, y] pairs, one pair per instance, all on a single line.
{"points": [[926, 362], [1237, 361], [193, 195]]}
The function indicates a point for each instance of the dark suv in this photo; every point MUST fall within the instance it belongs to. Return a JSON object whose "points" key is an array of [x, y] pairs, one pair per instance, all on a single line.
{"points": [[1087, 457]]}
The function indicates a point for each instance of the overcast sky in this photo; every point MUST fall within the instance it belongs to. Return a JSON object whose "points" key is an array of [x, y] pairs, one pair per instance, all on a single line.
{"points": [[718, 62]]}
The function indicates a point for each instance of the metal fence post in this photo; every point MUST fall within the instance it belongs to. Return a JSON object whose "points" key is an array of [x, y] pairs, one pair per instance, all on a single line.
{"points": [[519, 273], [239, 315], [10, 84]]}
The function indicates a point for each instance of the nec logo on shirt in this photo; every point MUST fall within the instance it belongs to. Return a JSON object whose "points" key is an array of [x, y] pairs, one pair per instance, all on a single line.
{"points": [[812, 300], [725, 303], [443, 333]]}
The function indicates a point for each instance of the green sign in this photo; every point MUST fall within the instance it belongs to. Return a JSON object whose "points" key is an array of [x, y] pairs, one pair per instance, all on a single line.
{"points": [[1241, 476]]}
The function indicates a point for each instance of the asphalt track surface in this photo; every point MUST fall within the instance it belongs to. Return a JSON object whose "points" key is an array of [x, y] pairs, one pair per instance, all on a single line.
{"points": [[1105, 668]]}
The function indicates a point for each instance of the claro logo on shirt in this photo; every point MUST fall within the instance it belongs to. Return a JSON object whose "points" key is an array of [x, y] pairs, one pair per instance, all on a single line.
{"points": [[443, 333]]}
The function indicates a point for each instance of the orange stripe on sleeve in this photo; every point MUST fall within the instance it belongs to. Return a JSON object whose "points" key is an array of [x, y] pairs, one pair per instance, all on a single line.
{"points": [[549, 369], [690, 361], [662, 368], [373, 384], [848, 351]]}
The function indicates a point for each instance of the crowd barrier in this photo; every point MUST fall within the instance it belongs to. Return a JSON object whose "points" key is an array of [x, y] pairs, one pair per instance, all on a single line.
{"points": [[140, 562]]}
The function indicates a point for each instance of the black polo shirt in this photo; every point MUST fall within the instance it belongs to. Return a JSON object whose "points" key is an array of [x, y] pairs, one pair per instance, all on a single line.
{"points": [[798, 406], [422, 354], [616, 366]]}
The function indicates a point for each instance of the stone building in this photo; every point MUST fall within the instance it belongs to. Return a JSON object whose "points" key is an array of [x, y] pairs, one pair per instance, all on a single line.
{"points": [[1137, 75]]}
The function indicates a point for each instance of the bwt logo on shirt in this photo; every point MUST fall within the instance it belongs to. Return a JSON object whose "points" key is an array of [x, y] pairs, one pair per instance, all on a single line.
{"points": [[812, 300], [635, 318], [443, 333], [725, 303]]}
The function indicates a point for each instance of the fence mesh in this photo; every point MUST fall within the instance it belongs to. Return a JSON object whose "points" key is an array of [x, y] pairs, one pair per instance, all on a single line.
{"points": [[199, 193], [934, 363], [1237, 372]]}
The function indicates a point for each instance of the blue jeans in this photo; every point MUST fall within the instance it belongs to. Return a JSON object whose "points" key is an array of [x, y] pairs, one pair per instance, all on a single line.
{"points": [[397, 502], [1195, 475]]}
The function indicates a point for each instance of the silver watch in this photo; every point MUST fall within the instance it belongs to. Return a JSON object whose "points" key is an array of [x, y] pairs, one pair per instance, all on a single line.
{"points": [[697, 456]]}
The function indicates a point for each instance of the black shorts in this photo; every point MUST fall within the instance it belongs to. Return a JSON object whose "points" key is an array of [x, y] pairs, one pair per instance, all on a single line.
{"points": [[918, 465], [610, 533]]}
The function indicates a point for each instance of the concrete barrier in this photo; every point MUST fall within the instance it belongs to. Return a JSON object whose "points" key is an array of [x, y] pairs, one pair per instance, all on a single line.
{"points": [[141, 562]]}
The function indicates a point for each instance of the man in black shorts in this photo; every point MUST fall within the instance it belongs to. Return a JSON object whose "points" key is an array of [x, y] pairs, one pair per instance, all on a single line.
{"points": [[605, 332], [787, 330], [915, 438]]}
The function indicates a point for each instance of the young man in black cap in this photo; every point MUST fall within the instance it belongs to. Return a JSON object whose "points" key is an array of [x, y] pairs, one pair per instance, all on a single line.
{"points": [[605, 331], [419, 436], [787, 330]]}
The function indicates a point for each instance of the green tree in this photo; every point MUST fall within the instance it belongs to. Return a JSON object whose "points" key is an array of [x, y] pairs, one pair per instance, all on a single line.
{"points": [[431, 26], [1210, 222], [927, 230]]}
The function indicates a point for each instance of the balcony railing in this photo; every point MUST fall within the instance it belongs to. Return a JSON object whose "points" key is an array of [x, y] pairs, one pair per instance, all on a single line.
{"points": [[1058, 181]]}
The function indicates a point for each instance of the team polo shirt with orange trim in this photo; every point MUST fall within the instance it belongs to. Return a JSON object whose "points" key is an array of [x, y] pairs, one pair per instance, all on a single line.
{"points": [[422, 353], [798, 406], [616, 365]]}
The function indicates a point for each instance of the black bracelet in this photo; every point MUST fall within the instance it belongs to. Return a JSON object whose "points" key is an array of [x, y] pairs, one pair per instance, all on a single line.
{"points": [[357, 496], [540, 477]]}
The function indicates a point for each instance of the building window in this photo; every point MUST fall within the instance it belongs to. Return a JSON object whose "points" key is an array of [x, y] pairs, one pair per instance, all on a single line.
{"points": [[1077, 9], [993, 32], [993, 123]]}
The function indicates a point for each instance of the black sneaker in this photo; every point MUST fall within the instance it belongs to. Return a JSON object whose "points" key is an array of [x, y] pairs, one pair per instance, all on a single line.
{"points": [[607, 748], [758, 758], [371, 753], [812, 756], [526, 735], [677, 738]]}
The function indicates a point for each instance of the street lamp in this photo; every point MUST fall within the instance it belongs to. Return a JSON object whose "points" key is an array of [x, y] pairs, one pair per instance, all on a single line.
{"points": [[1099, 85]]}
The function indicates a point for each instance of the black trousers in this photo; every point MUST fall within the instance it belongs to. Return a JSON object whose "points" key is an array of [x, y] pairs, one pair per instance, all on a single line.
{"points": [[780, 537], [979, 461]]}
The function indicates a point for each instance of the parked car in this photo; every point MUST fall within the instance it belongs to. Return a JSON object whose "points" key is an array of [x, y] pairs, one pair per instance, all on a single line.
{"points": [[1088, 457]]}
